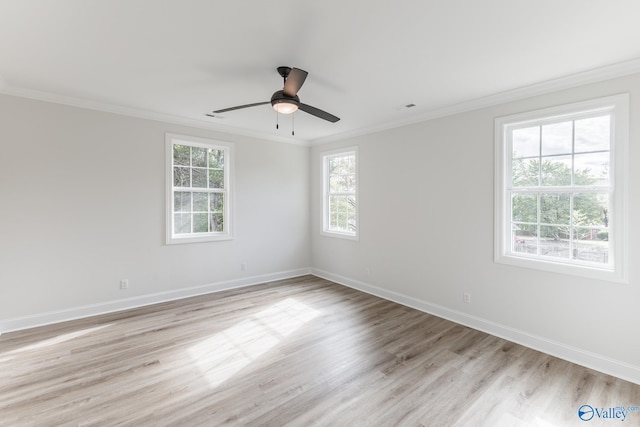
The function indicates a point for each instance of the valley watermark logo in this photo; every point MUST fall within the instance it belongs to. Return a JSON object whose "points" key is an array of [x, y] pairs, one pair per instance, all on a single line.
{"points": [[620, 413]]}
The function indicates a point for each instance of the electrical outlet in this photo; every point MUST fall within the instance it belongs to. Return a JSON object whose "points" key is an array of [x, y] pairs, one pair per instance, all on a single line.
{"points": [[124, 284], [466, 298]]}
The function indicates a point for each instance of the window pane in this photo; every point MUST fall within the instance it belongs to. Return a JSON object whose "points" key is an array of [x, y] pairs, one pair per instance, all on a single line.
{"points": [[217, 222], [216, 178], [216, 202], [334, 164], [342, 206], [525, 238], [182, 201], [182, 223], [525, 172], [587, 246], [342, 164], [334, 203], [343, 183], [557, 138], [591, 209], [216, 159], [181, 177], [199, 178], [351, 182], [555, 209], [526, 142], [333, 221], [342, 174], [554, 241], [524, 208], [181, 155], [351, 203], [200, 202], [591, 169], [342, 213], [200, 223], [593, 134], [342, 221], [336, 183], [556, 170], [199, 157]]}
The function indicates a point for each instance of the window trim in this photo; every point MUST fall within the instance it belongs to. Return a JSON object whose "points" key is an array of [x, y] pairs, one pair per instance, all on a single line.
{"points": [[325, 231], [171, 238], [618, 105]]}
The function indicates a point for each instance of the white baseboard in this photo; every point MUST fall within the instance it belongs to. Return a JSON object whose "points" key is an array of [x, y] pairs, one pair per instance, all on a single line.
{"points": [[572, 354], [41, 319]]}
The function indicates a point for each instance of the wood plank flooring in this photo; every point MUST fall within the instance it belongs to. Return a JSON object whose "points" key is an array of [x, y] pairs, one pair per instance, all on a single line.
{"points": [[299, 352]]}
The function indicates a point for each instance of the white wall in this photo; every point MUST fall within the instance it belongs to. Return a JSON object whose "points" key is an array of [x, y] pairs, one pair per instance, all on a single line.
{"points": [[82, 205], [426, 235]]}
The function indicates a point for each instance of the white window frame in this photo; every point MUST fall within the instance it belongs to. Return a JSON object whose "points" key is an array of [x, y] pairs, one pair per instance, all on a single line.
{"points": [[617, 268], [326, 230], [227, 191]]}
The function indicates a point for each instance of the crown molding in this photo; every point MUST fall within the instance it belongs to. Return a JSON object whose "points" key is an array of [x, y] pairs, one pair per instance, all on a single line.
{"points": [[579, 79]]}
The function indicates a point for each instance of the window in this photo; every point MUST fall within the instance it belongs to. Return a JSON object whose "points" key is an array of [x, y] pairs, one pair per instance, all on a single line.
{"points": [[561, 189], [198, 189], [340, 207]]}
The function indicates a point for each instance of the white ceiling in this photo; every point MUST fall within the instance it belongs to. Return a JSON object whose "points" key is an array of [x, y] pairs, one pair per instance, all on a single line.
{"points": [[179, 59]]}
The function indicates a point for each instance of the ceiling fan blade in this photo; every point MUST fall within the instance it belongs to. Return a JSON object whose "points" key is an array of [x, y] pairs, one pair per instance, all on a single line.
{"points": [[224, 110], [294, 81], [318, 112]]}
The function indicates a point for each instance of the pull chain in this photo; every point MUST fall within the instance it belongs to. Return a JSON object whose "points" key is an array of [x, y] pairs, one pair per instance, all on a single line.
{"points": [[293, 125], [277, 117]]}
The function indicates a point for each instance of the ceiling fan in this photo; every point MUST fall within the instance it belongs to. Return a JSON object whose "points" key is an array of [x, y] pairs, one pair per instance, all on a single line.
{"points": [[286, 101]]}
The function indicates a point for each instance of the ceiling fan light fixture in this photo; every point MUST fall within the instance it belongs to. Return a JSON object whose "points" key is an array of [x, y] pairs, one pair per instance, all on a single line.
{"points": [[285, 107]]}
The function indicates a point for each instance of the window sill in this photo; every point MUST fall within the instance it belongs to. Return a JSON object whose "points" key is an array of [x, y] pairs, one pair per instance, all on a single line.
{"points": [[198, 239], [586, 271], [339, 235]]}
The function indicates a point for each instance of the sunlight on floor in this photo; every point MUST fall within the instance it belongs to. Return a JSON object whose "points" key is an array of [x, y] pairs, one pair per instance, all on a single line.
{"points": [[57, 340], [224, 354]]}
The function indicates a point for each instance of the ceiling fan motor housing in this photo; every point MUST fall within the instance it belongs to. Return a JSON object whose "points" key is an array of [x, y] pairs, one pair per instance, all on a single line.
{"points": [[279, 97]]}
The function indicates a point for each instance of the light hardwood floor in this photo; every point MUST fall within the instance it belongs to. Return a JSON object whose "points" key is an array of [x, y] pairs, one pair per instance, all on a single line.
{"points": [[299, 352]]}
